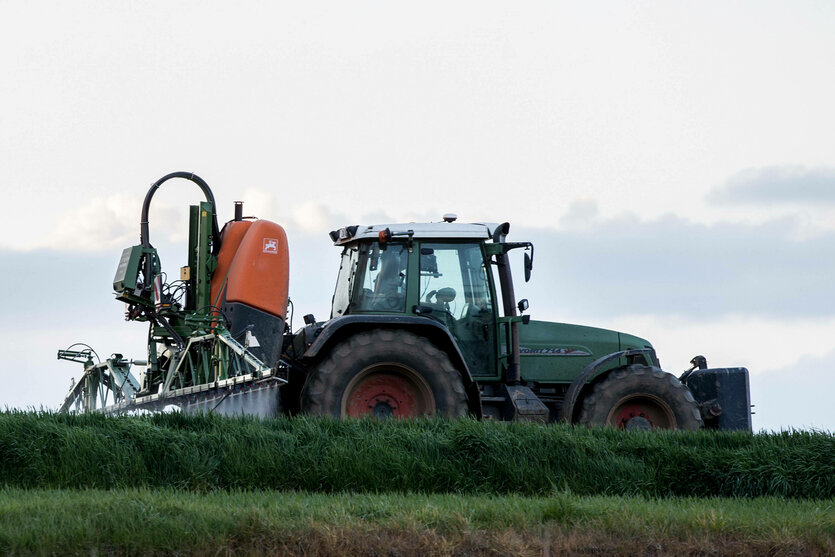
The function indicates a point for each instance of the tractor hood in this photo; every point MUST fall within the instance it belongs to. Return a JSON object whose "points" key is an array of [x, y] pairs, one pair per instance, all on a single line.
{"points": [[557, 352]]}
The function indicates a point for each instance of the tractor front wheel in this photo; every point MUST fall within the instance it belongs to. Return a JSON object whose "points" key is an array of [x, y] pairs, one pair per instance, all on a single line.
{"points": [[641, 397], [385, 373]]}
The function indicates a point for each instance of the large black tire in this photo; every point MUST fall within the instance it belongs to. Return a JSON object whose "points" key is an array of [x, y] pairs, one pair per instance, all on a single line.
{"points": [[641, 397], [385, 373]]}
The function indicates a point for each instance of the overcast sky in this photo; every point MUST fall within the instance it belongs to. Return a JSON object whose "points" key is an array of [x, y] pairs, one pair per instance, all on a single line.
{"points": [[673, 162]]}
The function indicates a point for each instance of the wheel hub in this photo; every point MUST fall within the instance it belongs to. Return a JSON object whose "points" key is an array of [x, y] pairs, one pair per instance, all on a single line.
{"points": [[640, 416], [383, 409], [638, 423], [385, 395]]}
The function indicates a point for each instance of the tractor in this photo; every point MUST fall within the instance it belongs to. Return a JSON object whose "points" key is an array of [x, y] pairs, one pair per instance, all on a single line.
{"points": [[424, 322]]}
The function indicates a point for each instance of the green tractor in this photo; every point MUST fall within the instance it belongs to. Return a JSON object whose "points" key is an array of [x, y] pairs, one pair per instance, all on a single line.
{"points": [[424, 322]]}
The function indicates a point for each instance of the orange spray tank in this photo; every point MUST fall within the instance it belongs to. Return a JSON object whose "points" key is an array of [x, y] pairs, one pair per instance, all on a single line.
{"points": [[250, 284]]}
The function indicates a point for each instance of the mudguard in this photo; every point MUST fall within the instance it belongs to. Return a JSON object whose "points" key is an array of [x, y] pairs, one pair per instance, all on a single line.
{"points": [[567, 411]]}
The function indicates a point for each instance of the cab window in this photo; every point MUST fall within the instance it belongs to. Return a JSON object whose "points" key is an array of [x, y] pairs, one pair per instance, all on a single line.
{"points": [[381, 278]]}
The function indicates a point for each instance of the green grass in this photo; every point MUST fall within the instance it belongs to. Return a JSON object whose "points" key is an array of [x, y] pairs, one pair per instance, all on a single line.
{"points": [[176, 451], [143, 521]]}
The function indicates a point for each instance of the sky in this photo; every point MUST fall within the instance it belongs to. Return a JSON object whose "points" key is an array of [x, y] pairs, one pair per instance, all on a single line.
{"points": [[672, 161]]}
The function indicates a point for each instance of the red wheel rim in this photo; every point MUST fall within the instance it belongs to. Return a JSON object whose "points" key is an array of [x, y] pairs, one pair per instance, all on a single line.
{"points": [[641, 412], [388, 392]]}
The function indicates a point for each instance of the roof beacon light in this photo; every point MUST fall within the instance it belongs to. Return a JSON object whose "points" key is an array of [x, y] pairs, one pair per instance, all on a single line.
{"points": [[384, 236], [450, 217]]}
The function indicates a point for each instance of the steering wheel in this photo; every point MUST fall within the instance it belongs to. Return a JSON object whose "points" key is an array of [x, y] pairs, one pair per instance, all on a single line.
{"points": [[442, 296]]}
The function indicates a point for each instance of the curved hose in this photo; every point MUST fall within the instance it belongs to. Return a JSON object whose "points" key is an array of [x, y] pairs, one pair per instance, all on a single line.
{"points": [[143, 223]]}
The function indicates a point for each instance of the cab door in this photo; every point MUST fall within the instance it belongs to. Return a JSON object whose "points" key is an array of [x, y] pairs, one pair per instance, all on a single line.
{"points": [[455, 287]]}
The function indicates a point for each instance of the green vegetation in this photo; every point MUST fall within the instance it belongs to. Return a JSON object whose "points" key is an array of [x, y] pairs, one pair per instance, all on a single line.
{"points": [[201, 453], [142, 521]]}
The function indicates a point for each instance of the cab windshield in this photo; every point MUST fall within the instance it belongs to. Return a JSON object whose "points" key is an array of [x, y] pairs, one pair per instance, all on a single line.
{"points": [[344, 282]]}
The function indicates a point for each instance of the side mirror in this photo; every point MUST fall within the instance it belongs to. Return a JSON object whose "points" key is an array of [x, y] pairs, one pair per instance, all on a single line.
{"points": [[523, 304], [528, 266]]}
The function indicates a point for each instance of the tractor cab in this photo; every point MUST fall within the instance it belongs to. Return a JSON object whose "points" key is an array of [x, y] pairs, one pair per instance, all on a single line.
{"points": [[436, 271]]}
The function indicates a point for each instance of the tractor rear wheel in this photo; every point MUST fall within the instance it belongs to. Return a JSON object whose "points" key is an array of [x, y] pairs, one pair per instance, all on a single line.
{"points": [[385, 373], [641, 397]]}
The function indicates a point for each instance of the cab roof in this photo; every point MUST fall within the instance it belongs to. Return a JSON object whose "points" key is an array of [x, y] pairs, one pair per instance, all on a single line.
{"points": [[446, 230]]}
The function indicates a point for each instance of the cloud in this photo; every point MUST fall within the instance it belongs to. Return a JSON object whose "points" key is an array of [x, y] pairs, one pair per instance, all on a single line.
{"points": [[105, 224], [315, 218], [778, 184], [580, 213], [99, 224], [110, 223], [589, 266], [676, 267], [623, 265]]}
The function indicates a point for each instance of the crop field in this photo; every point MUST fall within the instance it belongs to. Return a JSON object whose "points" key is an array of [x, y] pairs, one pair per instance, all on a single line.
{"points": [[146, 521], [181, 483]]}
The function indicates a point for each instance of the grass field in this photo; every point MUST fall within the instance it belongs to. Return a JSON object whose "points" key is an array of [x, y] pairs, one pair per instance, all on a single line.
{"points": [[433, 456], [188, 484], [144, 521]]}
